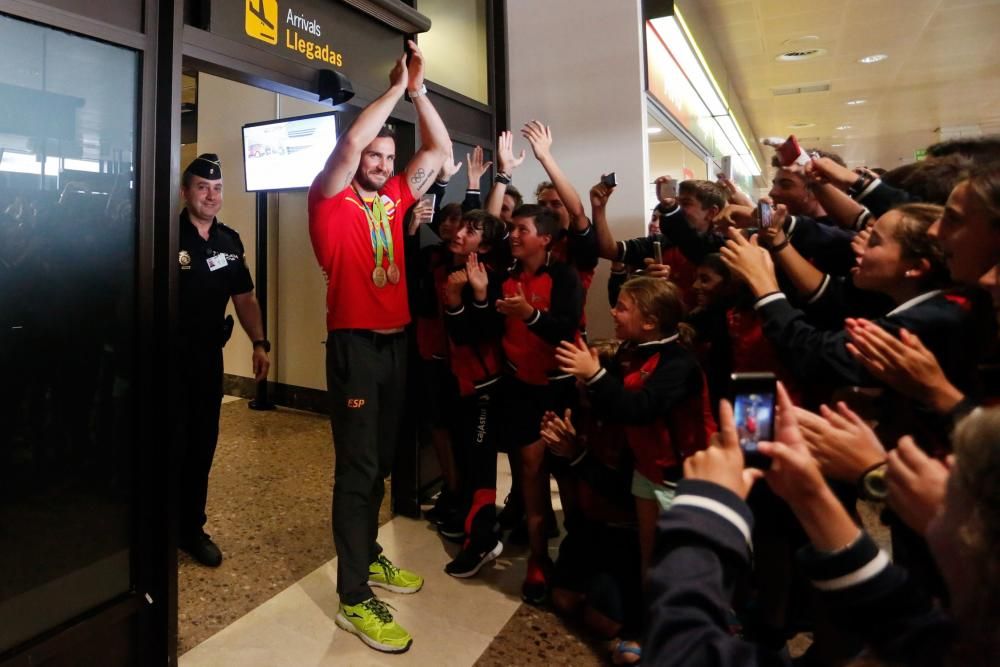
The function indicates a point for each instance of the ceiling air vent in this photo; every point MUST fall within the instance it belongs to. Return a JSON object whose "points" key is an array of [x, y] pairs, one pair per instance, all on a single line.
{"points": [[799, 54], [798, 90]]}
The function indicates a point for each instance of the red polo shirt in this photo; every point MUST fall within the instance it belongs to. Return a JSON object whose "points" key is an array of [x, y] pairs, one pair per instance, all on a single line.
{"points": [[338, 227]]}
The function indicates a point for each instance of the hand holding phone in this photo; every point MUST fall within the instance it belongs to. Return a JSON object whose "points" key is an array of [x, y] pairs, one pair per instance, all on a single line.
{"points": [[666, 189], [727, 167], [764, 214], [610, 180], [658, 252], [754, 396]]}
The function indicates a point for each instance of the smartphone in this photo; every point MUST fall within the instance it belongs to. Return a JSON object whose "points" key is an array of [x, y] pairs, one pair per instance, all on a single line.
{"points": [[764, 214], [429, 199], [790, 152], [658, 252], [727, 167], [666, 189], [610, 180], [754, 396]]}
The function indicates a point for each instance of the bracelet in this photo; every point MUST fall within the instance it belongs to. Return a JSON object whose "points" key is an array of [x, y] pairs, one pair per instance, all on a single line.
{"points": [[422, 90], [871, 484], [859, 186], [502, 178], [781, 246]]}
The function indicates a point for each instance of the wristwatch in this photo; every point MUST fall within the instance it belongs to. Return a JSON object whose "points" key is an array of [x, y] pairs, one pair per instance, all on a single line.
{"points": [[872, 484], [422, 90], [264, 343]]}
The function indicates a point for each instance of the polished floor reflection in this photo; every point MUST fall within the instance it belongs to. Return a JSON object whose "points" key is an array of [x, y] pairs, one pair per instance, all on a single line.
{"points": [[273, 599]]}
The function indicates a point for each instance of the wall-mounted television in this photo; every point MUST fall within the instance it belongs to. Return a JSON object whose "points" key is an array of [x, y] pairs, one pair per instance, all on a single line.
{"points": [[287, 153]]}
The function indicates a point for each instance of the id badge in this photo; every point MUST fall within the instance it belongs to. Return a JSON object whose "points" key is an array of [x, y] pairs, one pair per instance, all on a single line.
{"points": [[217, 262]]}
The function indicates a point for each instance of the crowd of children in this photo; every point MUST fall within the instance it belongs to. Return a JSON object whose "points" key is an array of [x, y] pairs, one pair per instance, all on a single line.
{"points": [[858, 290]]}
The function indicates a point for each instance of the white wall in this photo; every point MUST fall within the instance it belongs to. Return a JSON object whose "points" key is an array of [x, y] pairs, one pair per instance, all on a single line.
{"points": [[577, 65], [296, 290]]}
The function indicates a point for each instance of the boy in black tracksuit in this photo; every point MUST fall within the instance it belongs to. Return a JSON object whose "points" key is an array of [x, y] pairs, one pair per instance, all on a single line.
{"points": [[542, 305], [469, 290]]}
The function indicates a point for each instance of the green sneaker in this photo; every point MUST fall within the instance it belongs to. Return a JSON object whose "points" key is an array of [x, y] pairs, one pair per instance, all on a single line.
{"points": [[384, 574], [372, 622]]}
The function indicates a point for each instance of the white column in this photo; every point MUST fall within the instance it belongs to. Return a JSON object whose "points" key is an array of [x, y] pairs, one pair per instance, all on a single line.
{"points": [[577, 66]]}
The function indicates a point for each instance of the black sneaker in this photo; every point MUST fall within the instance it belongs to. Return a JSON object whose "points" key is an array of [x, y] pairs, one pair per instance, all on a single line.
{"points": [[444, 506], [511, 515], [202, 549], [470, 559], [453, 528]]}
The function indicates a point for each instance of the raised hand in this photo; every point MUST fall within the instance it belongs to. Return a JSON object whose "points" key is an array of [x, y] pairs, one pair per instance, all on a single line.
{"points": [[733, 193], [843, 444], [916, 484], [722, 461], [505, 153], [599, 195], [476, 166], [654, 270], [477, 276], [423, 213], [794, 474], [750, 262], [416, 66], [449, 169], [825, 170], [457, 280], [399, 76], [774, 234], [578, 359], [903, 363], [539, 136], [666, 202]]}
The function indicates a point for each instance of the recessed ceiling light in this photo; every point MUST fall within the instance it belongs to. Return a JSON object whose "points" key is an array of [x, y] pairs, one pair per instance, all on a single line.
{"points": [[874, 58], [799, 126], [854, 103], [836, 145], [654, 130], [843, 127]]}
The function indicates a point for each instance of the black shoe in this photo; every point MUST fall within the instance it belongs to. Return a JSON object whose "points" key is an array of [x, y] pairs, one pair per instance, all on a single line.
{"points": [[202, 549], [444, 506], [453, 528], [511, 515], [470, 559]]}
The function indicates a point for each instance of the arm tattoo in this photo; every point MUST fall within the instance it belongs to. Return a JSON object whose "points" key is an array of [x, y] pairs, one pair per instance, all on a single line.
{"points": [[419, 176]]}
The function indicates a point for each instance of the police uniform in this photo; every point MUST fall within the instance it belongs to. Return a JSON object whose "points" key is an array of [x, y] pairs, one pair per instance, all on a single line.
{"points": [[211, 271]]}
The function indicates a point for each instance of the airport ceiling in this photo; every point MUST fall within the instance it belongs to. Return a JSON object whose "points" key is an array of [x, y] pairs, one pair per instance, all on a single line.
{"points": [[941, 76]]}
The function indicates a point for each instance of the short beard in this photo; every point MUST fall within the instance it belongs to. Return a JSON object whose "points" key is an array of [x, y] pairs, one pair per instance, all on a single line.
{"points": [[366, 183]]}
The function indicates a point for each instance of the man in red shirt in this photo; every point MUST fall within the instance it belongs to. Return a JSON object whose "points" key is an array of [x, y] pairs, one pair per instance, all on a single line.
{"points": [[356, 210]]}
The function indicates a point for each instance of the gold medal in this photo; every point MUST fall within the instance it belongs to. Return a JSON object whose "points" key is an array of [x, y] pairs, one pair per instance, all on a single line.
{"points": [[393, 274], [379, 277]]}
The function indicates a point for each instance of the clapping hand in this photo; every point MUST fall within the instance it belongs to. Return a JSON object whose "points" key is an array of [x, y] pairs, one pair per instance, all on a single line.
{"points": [[916, 483], [578, 359], [516, 305], [843, 444], [540, 138], [559, 434], [477, 167], [505, 153]]}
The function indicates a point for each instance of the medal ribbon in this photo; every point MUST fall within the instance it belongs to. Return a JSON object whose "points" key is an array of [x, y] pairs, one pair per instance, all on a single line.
{"points": [[378, 227]]}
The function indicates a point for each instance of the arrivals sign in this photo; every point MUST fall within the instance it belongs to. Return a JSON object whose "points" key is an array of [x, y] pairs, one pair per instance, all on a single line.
{"points": [[322, 34], [294, 29]]}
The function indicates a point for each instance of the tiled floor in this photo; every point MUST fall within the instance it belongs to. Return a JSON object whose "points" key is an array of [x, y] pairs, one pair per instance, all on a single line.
{"points": [[273, 600]]}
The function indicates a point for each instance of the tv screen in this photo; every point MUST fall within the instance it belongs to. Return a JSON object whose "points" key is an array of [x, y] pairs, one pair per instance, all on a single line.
{"points": [[287, 153]]}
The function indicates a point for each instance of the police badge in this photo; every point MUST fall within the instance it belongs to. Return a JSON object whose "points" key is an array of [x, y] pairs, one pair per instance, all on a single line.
{"points": [[184, 259]]}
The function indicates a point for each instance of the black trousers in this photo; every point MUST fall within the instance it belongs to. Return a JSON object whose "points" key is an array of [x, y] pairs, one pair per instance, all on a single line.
{"points": [[366, 385], [476, 455], [201, 401]]}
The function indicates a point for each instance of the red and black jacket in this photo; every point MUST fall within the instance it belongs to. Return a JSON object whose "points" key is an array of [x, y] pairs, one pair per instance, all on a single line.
{"points": [[556, 295], [658, 391]]}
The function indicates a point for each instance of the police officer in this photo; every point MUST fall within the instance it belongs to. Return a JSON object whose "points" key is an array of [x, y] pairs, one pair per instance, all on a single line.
{"points": [[212, 271]]}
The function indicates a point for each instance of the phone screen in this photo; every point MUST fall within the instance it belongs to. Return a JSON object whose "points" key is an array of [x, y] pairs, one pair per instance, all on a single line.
{"points": [[666, 189], [754, 419], [754, 396], [764, 213], [610, 180]]}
